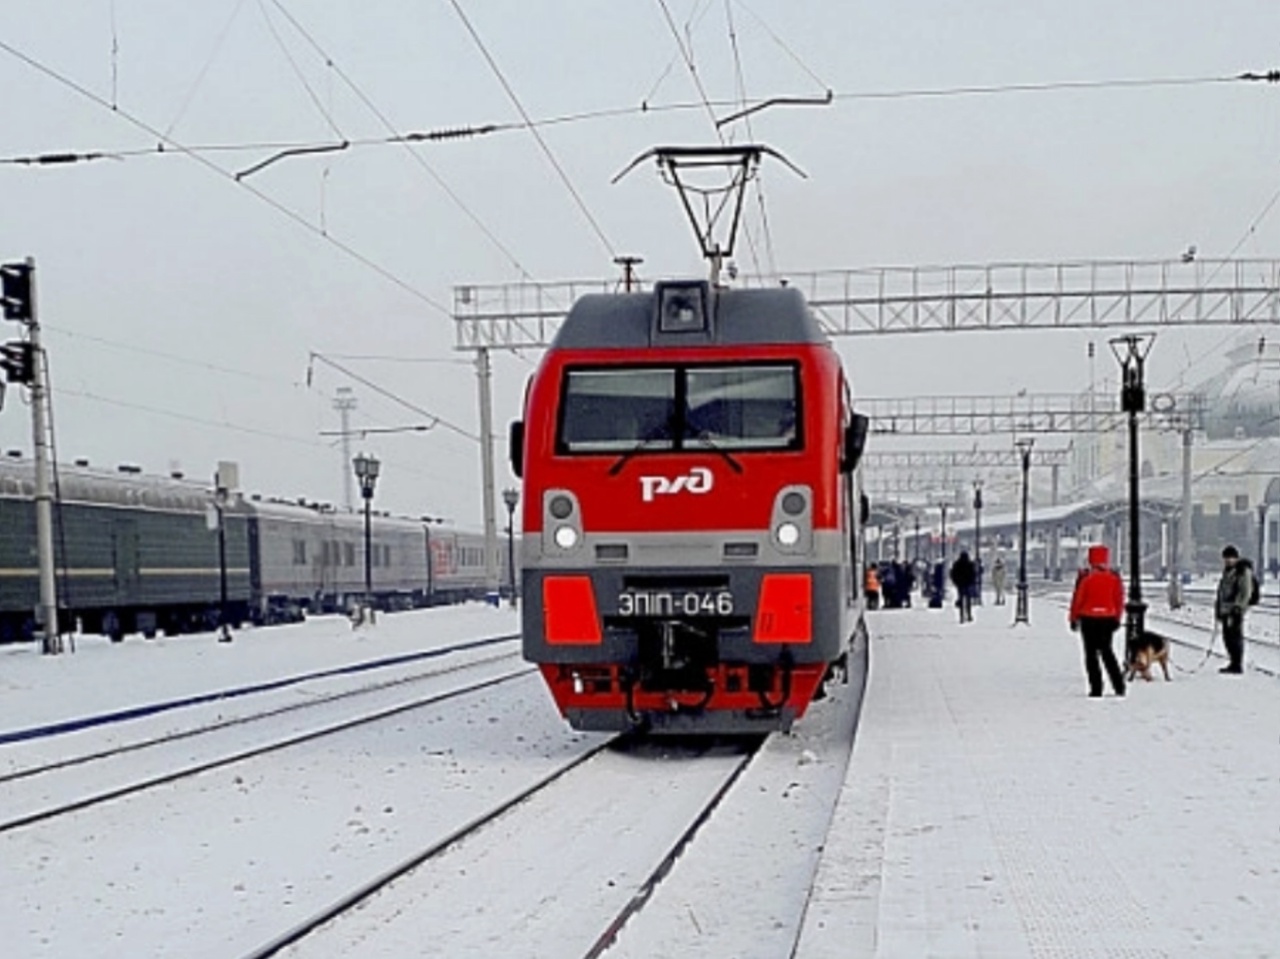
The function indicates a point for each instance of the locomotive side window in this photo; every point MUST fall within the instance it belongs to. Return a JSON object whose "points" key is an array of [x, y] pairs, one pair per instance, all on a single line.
{"points": [[625, 410], [612, 410]]}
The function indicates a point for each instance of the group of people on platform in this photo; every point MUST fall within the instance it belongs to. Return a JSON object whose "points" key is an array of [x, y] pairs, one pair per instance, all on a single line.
{"points": [[1097, 603], [889, 585]]}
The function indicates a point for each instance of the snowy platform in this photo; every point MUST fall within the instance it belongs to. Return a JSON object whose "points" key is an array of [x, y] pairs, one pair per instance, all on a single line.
{"points": [[991, 809]]}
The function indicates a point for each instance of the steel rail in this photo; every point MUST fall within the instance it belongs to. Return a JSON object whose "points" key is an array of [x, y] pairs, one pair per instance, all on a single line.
{"points": [[642, 895], [375, 885], [30, 771], [95, 799]]}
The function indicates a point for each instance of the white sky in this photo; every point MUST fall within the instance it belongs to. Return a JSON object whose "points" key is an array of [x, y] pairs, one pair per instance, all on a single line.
{"points": [[180, 308]]}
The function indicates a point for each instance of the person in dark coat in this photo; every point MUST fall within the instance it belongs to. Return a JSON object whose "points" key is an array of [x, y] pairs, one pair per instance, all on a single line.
{"points": [[1232, 602], [889, 586], [964, 574], [906, 576], [1096, 609]]}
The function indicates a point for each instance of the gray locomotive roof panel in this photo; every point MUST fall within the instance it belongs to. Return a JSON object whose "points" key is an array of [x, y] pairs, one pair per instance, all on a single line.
{"points": [[754, 317]]}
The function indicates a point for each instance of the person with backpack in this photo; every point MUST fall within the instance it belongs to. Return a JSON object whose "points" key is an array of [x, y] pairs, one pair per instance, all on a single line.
{"points": [[1237, 591]]}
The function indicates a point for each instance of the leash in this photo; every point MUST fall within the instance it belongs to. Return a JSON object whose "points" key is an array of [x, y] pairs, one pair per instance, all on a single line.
{"points": [[1207, 653]]}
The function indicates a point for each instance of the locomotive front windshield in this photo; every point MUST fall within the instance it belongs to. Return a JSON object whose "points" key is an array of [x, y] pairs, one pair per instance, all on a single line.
{"points": [[652, 408]]}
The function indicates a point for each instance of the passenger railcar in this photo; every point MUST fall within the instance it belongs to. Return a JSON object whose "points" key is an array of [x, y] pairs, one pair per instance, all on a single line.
{"points": [[305, 558], [132, 553], [137, 553], [691, 511]]}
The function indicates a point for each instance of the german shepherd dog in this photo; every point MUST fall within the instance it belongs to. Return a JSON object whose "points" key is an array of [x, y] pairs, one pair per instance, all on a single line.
{"points": [[1153, 648]]}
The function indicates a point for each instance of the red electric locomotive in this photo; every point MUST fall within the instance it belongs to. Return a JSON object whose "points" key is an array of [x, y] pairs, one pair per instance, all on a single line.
{"points": [[691, 518], [692, 511]]}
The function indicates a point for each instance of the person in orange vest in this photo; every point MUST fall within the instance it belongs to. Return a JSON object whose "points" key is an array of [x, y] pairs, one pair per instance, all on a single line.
{"points": [[1097, 607], [872, 587]]}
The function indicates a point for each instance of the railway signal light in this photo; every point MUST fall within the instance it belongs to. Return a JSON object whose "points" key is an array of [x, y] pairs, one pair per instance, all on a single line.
{"points": [[17, 291], [18, 359]]}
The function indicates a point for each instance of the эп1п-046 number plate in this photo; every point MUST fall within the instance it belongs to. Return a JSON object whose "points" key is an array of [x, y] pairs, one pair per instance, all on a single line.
{"points": [[675, 602]]}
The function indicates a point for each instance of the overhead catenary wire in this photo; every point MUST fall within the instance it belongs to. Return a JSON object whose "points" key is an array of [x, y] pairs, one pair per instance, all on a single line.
{"points": [[781, 43], [204, 70], [685, 53], [607, 113], [537, 135], [227, 425], [746, 118], [381, 391], [1249, 232], [204, 161], [404, 141], [297, 72]]}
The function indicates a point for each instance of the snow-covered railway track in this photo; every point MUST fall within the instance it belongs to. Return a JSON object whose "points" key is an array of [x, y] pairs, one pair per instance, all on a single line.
{"points": [[315, 701], [40, 808], [566, 863]]}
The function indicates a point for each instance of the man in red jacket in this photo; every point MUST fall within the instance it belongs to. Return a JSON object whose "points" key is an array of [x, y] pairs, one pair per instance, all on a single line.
{"points": [[1096, 610]]}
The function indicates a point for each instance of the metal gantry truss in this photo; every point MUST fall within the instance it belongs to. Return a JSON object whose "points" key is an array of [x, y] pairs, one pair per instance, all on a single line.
{"points": [[1036, 296], [1101, 294], [960, 459], [1021, 414]]}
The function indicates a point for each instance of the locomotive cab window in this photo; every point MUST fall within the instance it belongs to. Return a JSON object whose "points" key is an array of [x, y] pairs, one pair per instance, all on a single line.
{"points": [[643, 409]]}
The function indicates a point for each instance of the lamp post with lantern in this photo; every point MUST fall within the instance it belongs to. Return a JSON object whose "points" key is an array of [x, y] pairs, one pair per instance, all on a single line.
{"points": [[1021, 611], [977, 539], [367, 468], [511, 497]]}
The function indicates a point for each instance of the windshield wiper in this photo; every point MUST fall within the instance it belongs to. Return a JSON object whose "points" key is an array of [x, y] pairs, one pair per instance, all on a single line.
{"points": [[705, 437], [663, 430]]}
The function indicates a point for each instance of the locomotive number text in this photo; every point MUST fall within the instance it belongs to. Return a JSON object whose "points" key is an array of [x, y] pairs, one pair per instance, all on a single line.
{"points": [[675, 603]]}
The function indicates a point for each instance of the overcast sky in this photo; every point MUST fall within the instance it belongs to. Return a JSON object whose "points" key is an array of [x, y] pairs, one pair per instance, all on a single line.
{"points": [[180, 308]]}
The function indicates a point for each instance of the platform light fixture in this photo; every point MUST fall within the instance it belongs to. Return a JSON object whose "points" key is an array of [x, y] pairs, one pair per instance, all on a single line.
{"points": [[1022, 609]]}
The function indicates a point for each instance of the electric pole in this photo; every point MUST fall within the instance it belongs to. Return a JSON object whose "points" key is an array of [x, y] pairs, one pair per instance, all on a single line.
{"points": [[19, 291], [344, 402]]}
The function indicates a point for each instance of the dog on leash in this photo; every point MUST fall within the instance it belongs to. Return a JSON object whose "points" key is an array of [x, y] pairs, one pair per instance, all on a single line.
{"points": [[1152, 649]]}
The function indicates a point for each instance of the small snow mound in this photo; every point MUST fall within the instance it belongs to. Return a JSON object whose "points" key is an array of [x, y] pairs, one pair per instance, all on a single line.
{"points": [[808, 756]]}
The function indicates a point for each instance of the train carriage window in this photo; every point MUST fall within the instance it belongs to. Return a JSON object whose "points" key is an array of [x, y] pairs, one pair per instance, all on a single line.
{"points": [[299, 552], [348, 554]]}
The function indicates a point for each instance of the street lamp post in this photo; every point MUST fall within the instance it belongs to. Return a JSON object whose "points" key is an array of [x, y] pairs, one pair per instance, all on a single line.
{"points": [[943, 506], [225, 479], [220, 496], [977, 539], [367, 473], [1131, 352], [510, 497], [1022, 610]]}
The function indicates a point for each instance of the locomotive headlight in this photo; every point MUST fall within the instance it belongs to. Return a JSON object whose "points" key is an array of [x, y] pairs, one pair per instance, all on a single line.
{"points": [[566, 537], [788, 534]]}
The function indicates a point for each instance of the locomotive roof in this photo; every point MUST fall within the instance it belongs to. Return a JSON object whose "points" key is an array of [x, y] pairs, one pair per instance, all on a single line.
{"points": [[750, 317]]}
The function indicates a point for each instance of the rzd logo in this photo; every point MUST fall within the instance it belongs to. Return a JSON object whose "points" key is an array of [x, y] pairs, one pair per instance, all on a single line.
{"points": [[698, 480]]}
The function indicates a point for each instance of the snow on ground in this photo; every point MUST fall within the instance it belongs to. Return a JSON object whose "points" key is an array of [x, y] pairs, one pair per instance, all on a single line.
{"points": [[989, 809], [545, 879], [217, 864], [992, 809], [102, 677], [741, 888]]}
